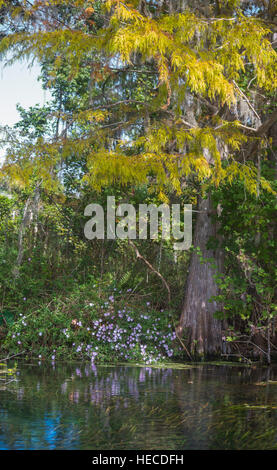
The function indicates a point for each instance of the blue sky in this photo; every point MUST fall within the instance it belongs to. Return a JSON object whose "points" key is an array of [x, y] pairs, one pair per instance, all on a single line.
{"points": [[18, 84]]}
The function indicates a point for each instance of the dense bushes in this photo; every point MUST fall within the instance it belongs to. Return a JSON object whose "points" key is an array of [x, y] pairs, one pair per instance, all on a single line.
{"points": [[94, 324]]}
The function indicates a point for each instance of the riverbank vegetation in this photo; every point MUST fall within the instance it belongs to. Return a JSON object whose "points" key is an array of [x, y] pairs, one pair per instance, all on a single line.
{"points": [[151, 102]]}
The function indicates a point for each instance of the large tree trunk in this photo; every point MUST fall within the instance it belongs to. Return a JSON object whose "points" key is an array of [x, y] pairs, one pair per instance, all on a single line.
{"points": [[203, 331]]}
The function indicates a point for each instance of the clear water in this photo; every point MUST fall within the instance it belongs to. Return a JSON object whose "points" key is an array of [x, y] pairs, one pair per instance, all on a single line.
{"points": [[126, 407]]}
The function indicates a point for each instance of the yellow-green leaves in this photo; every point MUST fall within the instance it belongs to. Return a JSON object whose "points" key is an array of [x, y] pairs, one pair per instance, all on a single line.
{"points": [[187, 51], [207, 52]]}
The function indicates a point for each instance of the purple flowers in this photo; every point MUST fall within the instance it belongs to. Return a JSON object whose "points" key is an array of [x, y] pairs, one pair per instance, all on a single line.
{"points": [[119, 334]]}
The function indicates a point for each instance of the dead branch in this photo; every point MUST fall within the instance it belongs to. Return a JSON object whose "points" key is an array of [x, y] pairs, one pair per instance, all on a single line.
{"points": [[139, 256]]}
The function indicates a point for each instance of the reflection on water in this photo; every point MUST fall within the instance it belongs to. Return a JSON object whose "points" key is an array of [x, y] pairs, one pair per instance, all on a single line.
{"points": [[125, 407]]}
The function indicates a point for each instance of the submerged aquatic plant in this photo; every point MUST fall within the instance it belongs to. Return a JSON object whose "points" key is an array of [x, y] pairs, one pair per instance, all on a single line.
{"points": [[7, 375]]}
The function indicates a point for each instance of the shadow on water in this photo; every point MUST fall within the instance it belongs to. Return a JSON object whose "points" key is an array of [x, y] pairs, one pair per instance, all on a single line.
{"points": [[123, 407]]}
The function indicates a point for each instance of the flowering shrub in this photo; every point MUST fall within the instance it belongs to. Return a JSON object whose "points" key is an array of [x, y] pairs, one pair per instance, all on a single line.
{"points": [[109, 329]]}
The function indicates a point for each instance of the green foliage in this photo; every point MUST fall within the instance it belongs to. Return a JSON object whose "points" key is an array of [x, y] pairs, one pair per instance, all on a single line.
{"points": [[6, 318], [94, 323], [145, 107], [129, 136], [248, 287]]}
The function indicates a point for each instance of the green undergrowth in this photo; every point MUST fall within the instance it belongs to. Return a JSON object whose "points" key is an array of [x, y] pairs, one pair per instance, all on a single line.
{"points": [[96, 322]]}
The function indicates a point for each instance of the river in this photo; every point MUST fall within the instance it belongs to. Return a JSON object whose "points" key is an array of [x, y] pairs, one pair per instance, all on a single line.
{"points": [[84, 406]]}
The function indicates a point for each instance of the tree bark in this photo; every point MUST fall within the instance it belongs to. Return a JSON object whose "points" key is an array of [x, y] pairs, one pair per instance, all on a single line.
{"points": [[203, 331], [30, 212]]}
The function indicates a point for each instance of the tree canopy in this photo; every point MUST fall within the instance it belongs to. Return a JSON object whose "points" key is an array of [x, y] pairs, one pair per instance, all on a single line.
{"points": [[187, 121]]}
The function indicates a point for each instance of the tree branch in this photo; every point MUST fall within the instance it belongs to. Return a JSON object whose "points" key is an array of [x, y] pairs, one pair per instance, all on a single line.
{"points": [[139, 256]]}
